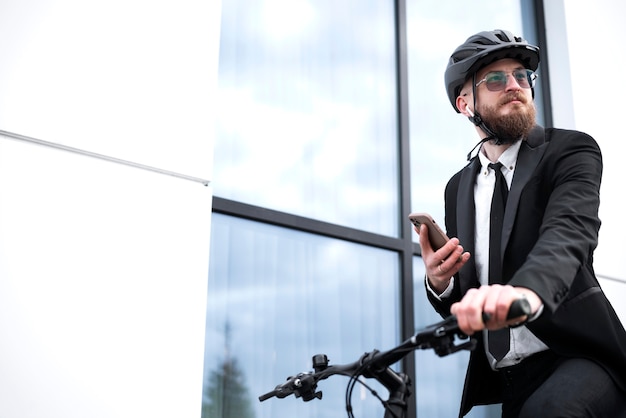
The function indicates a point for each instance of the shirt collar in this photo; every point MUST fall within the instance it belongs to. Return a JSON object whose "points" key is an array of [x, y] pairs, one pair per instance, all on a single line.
{"points": [[508, 157]]}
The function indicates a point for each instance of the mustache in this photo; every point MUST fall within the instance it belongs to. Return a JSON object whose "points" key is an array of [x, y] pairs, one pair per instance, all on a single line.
{"points": [[513, 96]]}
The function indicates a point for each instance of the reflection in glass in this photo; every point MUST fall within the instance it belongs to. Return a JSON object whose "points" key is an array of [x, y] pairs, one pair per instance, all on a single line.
{"points": [[277, 297], [307, 116]]}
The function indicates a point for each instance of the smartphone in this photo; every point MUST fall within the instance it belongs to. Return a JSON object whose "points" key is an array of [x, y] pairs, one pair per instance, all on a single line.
{"points": [[435, 234]]}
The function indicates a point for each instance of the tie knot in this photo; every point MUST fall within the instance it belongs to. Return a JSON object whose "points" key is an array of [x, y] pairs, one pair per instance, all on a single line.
{"points": [[495, 166]]}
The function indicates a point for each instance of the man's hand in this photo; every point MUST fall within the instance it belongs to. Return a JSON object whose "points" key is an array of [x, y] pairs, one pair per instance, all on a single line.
{"points": [[494, 300], [442, 264]]}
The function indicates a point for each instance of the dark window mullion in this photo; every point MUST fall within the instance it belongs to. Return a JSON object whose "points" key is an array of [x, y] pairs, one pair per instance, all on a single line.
{"points": [[406, 254]]}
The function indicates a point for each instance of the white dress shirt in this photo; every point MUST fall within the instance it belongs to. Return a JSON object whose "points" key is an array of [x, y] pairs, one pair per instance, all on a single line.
{"points": [[523, 342]]}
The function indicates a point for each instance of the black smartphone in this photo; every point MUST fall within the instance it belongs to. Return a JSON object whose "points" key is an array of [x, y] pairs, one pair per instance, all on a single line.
{"points": [[435, 234]]}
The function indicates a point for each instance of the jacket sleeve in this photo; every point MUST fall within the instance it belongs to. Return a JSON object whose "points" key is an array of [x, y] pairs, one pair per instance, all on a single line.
{"points": [[559, 222]]}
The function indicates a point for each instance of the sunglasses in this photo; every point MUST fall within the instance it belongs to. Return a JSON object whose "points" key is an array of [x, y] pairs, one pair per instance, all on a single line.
{"points": [[497, 80]]}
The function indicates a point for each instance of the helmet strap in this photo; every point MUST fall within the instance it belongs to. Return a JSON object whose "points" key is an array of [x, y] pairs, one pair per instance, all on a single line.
{"points": [[477, 120]]}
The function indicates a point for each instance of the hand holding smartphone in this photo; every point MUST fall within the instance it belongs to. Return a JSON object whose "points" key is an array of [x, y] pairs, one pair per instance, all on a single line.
{"points": [[436, 235]]}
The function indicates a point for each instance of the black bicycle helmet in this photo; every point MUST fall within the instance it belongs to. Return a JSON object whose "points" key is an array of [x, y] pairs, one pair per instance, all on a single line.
{"points": [[481, 50]]}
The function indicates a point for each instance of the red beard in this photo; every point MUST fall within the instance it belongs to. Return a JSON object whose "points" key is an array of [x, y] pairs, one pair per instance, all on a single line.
{"points": [[514, 125]]}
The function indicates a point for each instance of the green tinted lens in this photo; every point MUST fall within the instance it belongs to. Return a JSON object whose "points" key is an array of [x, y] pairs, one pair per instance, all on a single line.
{"points": [[522, 77], [495, 80]]}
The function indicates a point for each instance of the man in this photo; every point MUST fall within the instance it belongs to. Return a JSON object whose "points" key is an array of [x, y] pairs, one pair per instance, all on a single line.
{"points": [[567, 358]]}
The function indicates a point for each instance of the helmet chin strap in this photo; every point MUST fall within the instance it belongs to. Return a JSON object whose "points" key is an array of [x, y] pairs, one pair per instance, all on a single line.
{"points": [[482, 141], [477, 120]]}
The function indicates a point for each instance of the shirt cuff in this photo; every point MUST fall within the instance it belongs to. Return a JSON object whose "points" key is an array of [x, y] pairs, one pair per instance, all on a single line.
{"points": [[443, 294], [537, 314]]}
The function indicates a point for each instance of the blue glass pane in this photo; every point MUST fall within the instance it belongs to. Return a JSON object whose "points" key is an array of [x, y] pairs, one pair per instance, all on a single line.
{"points": [[307, 116], [439, 380], [277, 297]]}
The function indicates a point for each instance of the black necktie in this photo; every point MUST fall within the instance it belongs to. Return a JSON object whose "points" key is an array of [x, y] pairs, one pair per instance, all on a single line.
{"points": [[498, 341]]}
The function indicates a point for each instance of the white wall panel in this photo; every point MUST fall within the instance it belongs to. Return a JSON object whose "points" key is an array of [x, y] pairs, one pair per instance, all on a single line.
{"points": [[127, 78], [104, 266], [103, 291]]}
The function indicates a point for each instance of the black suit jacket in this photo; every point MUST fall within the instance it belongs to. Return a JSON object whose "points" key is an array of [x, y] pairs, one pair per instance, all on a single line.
{"points": [[550, 231]]}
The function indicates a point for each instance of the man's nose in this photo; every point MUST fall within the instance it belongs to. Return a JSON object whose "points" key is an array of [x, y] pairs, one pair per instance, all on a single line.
{"points": [[512, 83]]}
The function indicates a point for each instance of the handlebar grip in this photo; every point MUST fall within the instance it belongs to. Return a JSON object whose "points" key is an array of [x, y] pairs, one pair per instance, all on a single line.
{"points": [[267, 396], [519, 307]]}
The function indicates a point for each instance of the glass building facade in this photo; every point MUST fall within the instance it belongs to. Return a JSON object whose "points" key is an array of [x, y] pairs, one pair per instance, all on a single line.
{"points": [[333, 125]]}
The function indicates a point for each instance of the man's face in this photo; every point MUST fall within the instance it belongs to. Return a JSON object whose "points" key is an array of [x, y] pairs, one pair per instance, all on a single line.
{"points": [[509, 112]]}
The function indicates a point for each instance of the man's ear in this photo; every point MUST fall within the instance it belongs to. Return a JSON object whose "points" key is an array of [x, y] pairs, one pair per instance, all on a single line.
{"points": [[463, 105]]}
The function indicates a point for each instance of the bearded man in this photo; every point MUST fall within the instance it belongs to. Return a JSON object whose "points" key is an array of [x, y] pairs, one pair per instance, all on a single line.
{"points": [[523, 217]]}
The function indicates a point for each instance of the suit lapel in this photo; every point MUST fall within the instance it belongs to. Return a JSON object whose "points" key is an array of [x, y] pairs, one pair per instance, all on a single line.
{"points": [[466, 220]]}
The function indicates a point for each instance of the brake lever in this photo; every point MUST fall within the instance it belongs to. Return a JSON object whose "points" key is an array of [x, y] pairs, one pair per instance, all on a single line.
{"points": [[301, 385], [441, 338]]}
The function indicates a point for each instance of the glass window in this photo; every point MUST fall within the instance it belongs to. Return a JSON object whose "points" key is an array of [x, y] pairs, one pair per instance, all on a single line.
{"points": [[307, 117], [277, 297]]}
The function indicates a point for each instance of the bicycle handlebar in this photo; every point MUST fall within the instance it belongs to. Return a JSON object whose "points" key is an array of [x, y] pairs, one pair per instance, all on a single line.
{"points": [[304, 384], [440, 337]]}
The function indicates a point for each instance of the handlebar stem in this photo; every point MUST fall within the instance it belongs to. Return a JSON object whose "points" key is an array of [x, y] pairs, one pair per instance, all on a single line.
{"points": [[397, 384]]}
